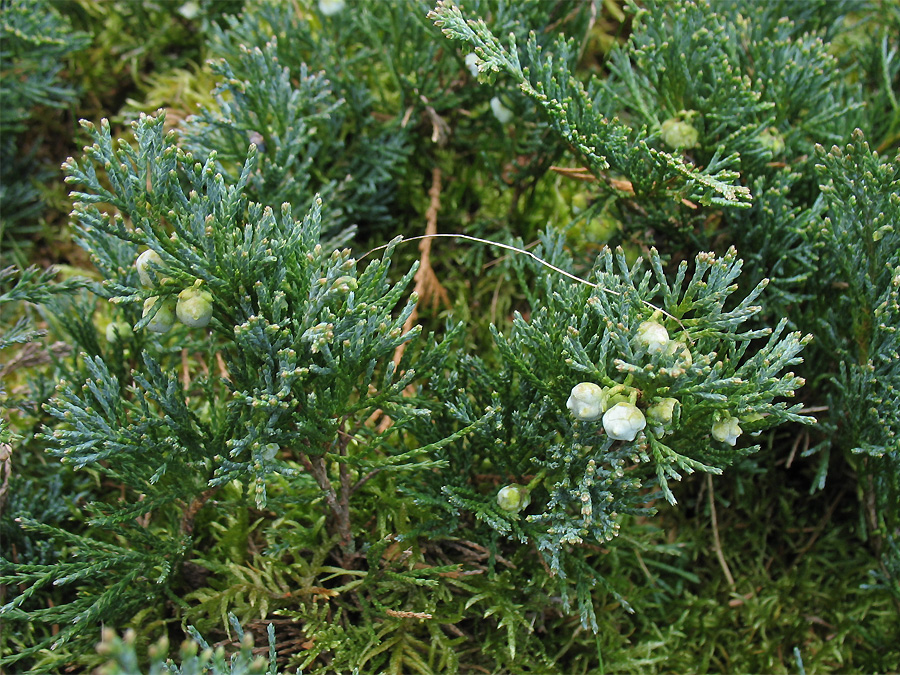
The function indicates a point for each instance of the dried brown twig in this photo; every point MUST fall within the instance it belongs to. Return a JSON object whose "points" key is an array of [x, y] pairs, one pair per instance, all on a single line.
{"points": [[429, 289]]}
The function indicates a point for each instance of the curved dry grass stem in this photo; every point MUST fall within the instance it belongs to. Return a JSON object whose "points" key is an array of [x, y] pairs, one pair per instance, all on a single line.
{"points": [[514, 249], [717, 543], [507, 247]]}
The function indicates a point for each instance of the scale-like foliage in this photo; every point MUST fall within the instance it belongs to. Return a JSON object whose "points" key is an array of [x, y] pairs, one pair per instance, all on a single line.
{"points": [[305, 345], [583, 479], [123, 658], [252, 434], [861, 324], [577, 114], [35, 41]]}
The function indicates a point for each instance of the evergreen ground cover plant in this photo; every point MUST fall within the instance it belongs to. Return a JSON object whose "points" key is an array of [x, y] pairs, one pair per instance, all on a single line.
{"points": [[534, 337]]}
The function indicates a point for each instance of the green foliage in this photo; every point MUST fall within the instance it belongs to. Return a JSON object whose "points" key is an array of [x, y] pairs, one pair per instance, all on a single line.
{"points": [[285, 124], [258, 418], [861, 193], [573, 114], [309, 134], [762, 69], [862, 245], [133, 39], [805, 555], [307, 345], [18, 286], [35, 41], [306, 342], [123, 659], [576, 473]]}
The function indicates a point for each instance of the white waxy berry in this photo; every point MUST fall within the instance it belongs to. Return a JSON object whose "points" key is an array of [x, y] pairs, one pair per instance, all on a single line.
{"points": [[586, 401], [164, 316], [727, 430], [345, 284], [143, 262], [194, 308], [331, 7], [652, 336], [503, 114], [623, 421], [660, 414], [472, 63], [513, 497]]}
